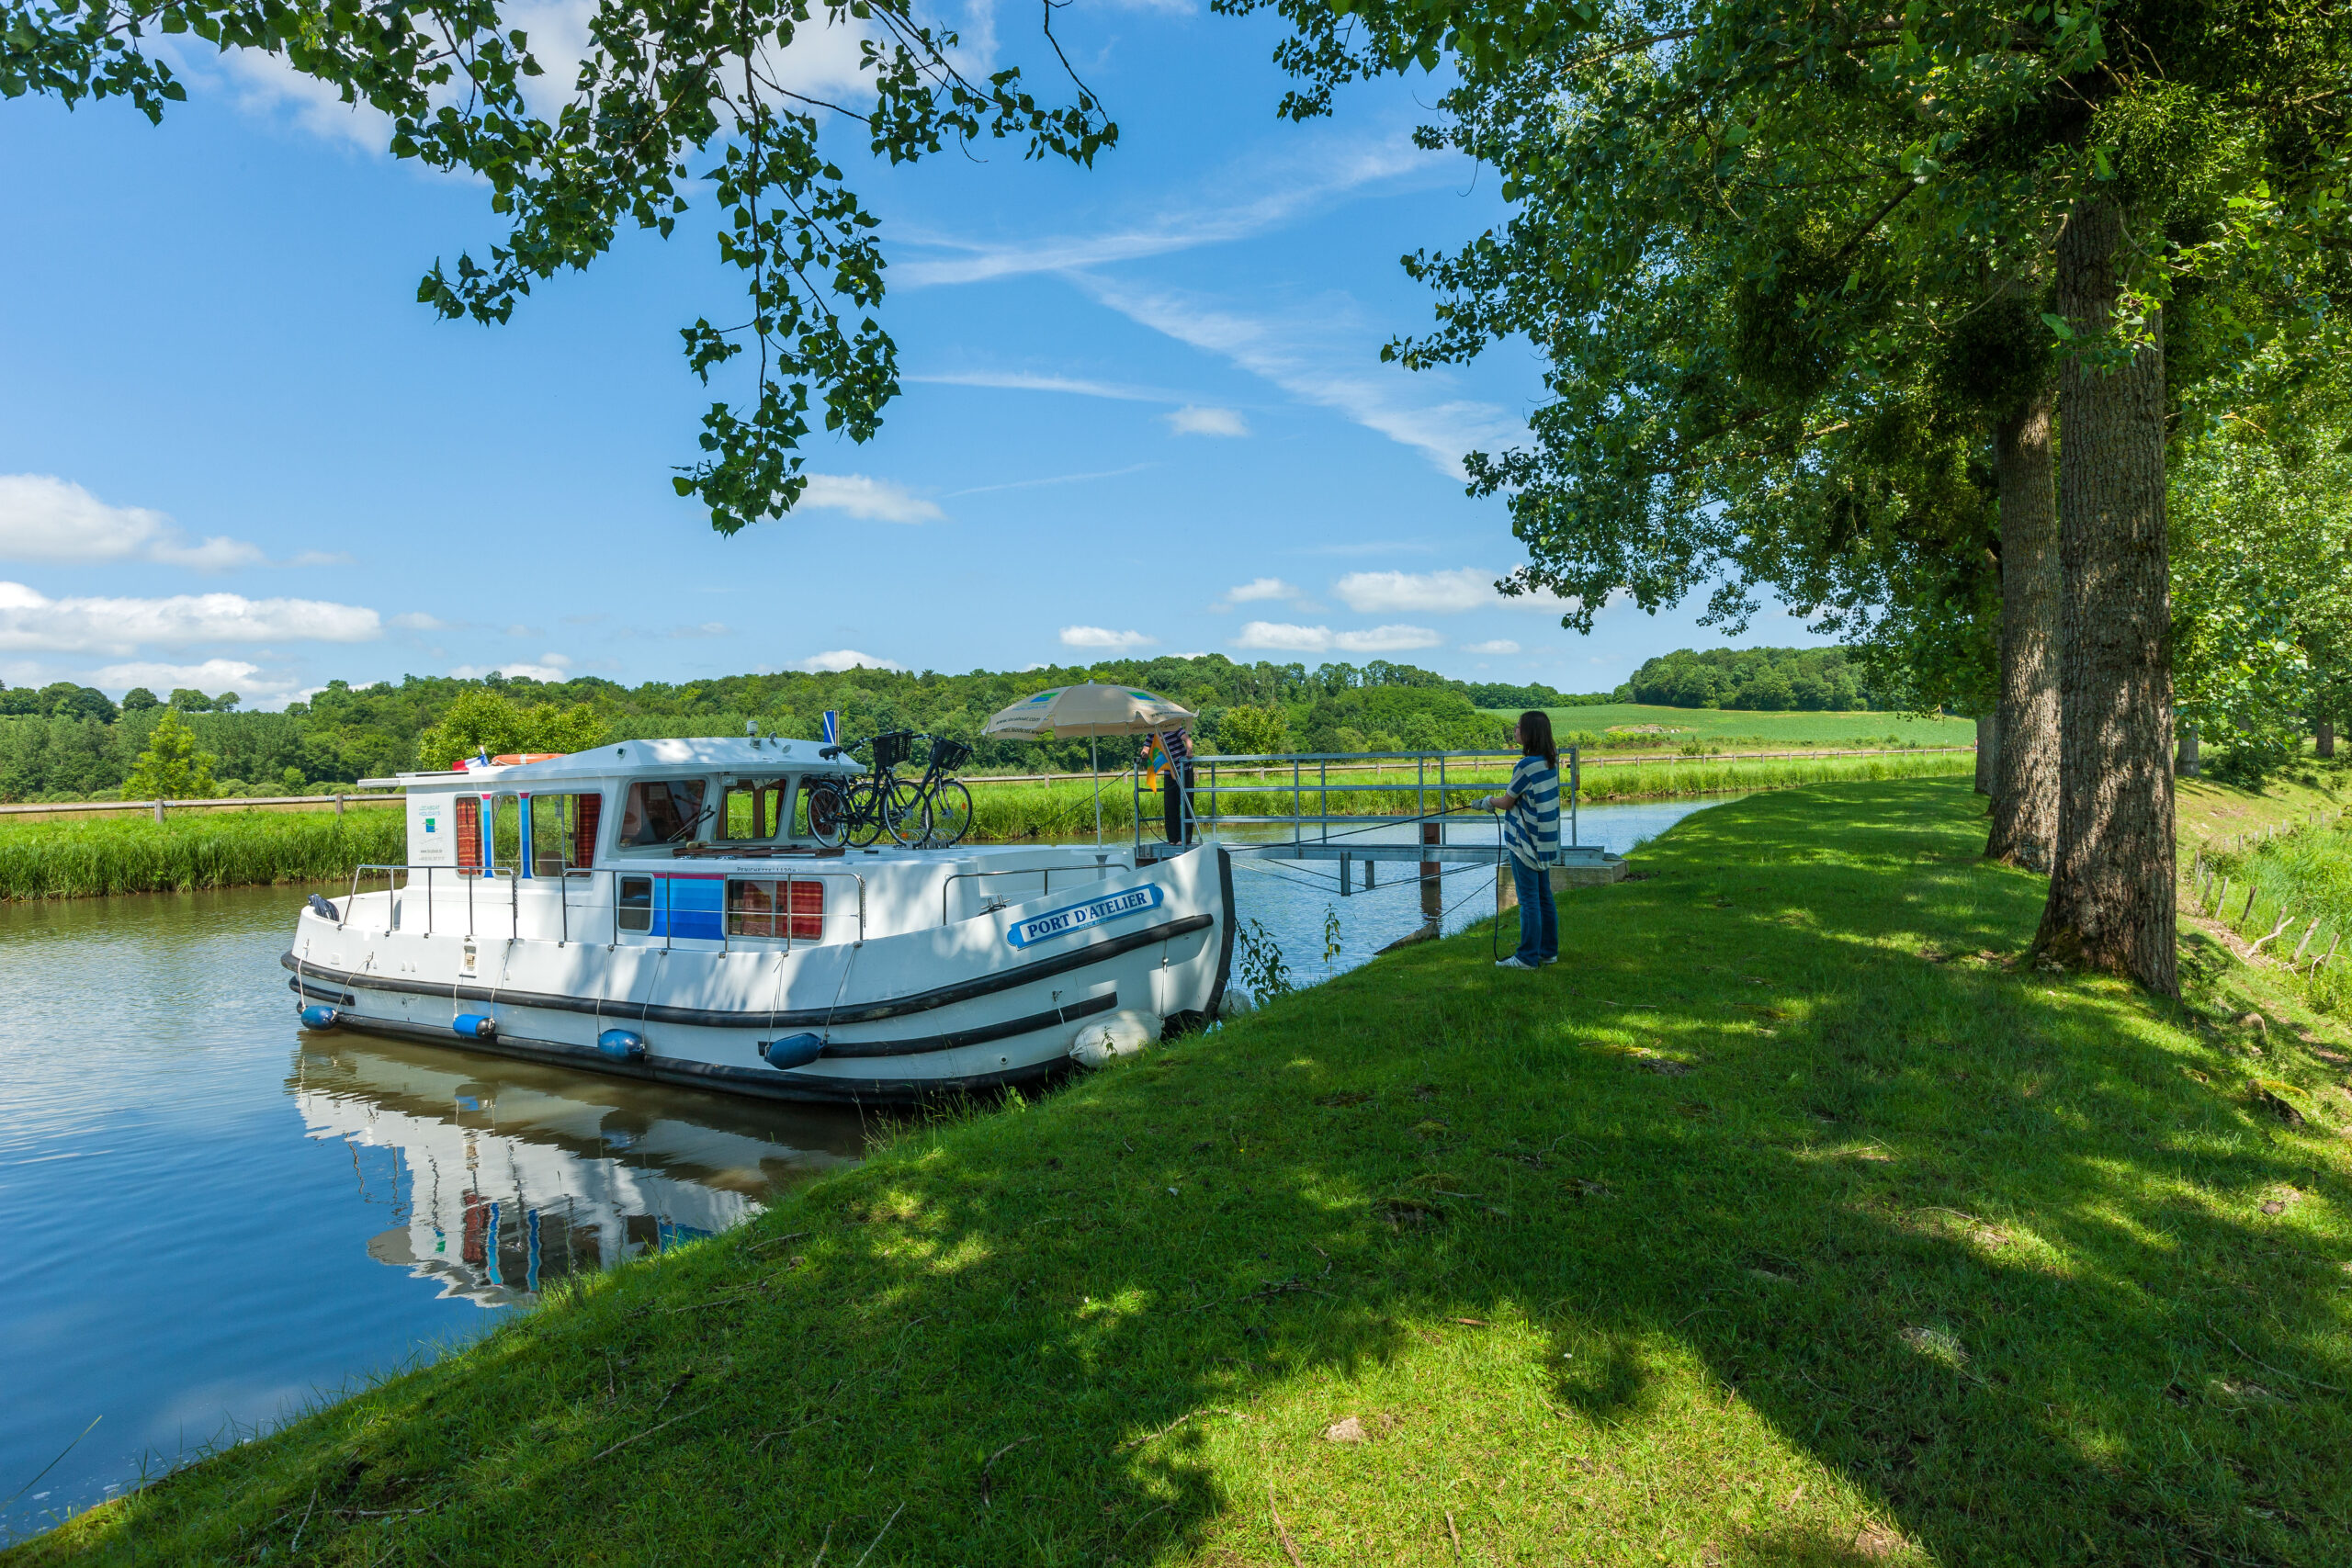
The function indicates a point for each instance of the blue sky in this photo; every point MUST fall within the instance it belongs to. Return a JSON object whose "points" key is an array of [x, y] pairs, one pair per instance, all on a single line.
{"points": [[1144, 407]]}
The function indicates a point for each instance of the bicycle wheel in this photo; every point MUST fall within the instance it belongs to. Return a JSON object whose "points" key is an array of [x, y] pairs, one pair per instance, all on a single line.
{"points": [[864, 813], [907, 813], [951, 812], [829, 813]]}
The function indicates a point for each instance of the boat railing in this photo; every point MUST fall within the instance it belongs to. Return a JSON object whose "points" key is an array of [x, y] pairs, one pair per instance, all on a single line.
{"points": [[1310, 774], [728, 917], [1099, 870]]}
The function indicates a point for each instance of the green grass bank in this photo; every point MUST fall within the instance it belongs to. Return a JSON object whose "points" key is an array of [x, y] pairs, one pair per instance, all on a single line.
{"points": [[1725, 727], [74, 857], [86, 855], [1787, 1221]]}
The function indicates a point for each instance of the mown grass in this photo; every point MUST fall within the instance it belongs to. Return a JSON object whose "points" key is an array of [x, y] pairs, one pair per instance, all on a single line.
{"points": [[74, 858], [1716, 726], [1789, 1219], [1010, 811]]}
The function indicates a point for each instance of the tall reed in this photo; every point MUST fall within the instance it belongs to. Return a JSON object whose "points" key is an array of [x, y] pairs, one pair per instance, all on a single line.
{"points": [[2296, 884], [69, 859]]}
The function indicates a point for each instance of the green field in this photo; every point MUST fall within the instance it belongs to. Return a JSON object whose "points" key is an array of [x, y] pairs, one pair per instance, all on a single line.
{"points": [[1713, 726], [1792, 1219]]}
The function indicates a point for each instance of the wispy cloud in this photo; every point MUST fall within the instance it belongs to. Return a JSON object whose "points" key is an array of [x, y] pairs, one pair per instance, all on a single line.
{"points": [[1023, 381], [1318, 175], [1499, 644], [1439, 593], [213, 676], [1369, 547], [1321, 360], [867, 500], [1053, 480], [1191, 420], [1103, 637], [1283, 636]]}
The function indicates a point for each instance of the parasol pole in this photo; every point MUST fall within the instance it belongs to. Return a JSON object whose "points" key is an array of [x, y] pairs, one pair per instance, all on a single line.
{"points": [[1094, 759]]}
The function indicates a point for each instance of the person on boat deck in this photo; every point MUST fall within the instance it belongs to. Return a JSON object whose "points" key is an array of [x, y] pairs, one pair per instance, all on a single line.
{"points": [[1531, 807], [1169, 753]]}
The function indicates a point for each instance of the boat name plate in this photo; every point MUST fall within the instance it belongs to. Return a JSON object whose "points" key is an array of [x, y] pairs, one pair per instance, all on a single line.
{"points": [[1080, 917]]}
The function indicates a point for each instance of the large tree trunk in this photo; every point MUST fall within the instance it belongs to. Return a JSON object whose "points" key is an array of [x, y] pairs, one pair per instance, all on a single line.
{"points": [[2025, 784], [1989, 745], [2111, 895], [2323, 737]]}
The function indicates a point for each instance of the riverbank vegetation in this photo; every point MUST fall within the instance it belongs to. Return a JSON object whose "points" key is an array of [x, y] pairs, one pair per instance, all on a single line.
{"points": [[80, 857], [1795, 1217], [70, 742]]}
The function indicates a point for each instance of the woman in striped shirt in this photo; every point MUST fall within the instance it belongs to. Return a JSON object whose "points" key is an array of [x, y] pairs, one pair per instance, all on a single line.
{"points": [[1531, 807]]}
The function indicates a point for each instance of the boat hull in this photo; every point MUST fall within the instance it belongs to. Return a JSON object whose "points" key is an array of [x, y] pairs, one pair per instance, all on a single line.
{"points": [[985, 1002]]}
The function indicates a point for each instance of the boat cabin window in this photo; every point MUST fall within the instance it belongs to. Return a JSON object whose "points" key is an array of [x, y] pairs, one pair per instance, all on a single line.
{"points": [[563, 832], [779, 906], [662, 811], [751, 809], [636, 904]]}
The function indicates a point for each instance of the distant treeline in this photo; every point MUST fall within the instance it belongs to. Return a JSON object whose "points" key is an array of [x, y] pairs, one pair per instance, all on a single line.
{"points": [[1763, 679], [71, 743]]}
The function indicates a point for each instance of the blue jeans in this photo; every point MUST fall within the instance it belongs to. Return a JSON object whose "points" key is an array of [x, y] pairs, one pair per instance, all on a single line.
{"points": [[1539, 918]]}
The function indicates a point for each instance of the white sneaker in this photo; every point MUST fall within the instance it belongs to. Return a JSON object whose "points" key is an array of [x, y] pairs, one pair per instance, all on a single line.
{"points": [[1514, 962], [1542, 962]]}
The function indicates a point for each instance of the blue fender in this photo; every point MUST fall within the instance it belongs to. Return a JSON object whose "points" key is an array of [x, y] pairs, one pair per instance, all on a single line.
{"points": [[474, 1026], [321, 1017], [622, 1045], [791, 1050]]}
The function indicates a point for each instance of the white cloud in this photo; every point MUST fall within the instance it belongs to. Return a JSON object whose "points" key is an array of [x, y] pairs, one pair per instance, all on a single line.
{"points": [[212, 675], [1499, 644], [841, 659], [1386, 639], [44, 518], [417, 621], [1103, 637], [551, 667], [31, 621], [1280, 637], [1369, 592], [1260, 589], [1320, 173], [1283, 636], [1191, 420], [869, 500], [707, 629], [1321, 358], [1439, 593]]}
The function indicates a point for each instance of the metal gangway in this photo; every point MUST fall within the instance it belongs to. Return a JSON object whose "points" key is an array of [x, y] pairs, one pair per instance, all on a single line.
{"points": [[1441, 783]]}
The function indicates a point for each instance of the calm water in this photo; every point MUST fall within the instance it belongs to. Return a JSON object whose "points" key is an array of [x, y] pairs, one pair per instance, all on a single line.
{"points": [[212, 1222]]}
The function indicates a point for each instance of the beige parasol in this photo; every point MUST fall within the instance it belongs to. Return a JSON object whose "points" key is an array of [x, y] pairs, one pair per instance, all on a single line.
{"points": [[1093, 710]]}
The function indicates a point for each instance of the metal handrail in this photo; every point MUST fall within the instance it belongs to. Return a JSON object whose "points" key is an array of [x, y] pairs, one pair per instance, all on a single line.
{"points": [[564, 897], [812, 876], [1100, 868]]}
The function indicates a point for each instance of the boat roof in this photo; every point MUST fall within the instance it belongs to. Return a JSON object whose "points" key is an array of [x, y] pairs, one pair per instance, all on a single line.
{"points": [[685, 757]]}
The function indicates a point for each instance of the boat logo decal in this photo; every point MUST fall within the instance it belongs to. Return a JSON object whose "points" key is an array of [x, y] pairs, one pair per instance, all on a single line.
{"points": [[1078, 916]]}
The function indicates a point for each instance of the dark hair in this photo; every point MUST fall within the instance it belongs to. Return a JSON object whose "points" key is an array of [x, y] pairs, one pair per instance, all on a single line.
{"points": [[1535, 736]]}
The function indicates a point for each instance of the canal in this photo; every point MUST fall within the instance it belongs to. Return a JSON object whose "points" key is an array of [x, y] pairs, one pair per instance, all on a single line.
{"points": [[215, 1221]]}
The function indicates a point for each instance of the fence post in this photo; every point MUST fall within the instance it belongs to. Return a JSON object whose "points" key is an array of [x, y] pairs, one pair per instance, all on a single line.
{"points": [[1433, 896], [338, 806], [159, 811]]}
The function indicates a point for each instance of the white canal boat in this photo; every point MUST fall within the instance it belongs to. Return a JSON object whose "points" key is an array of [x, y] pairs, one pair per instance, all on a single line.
{"points": [[658, 909]]}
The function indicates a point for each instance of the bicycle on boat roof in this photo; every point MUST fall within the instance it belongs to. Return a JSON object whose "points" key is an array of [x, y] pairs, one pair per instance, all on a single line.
{"points": [[934, 810]]}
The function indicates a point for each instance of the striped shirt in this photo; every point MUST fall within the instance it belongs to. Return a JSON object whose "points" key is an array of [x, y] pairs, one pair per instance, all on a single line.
{"points": [[1531, 828]]}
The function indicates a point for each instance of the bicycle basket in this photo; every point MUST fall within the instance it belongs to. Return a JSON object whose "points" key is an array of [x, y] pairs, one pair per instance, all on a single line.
{"points": [[891, 747], [949, 755]]}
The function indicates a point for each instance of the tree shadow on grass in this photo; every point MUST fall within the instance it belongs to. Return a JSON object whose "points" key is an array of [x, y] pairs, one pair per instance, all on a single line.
{"points": [[1748, 1235]]}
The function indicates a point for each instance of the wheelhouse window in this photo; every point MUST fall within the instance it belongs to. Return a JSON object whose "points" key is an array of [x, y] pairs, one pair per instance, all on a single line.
{"points": [[750, 809], [662, 811], [563, 832]]}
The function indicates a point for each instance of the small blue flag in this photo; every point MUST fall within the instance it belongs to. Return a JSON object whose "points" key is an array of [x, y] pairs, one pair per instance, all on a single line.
{"points": [[832, 726]]}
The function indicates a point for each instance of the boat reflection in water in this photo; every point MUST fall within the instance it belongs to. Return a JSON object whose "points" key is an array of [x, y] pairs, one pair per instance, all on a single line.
{"points": [[510, 1176]]}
